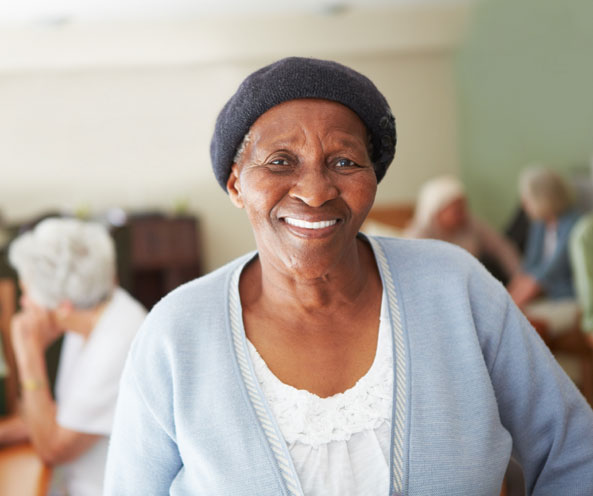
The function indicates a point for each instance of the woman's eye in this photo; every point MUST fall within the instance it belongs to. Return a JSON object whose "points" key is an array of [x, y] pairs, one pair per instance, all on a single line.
{"points": [[344, 162], [280, 160]]}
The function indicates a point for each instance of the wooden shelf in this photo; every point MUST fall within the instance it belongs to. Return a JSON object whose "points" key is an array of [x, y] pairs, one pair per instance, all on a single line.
{"points": [[156, 254]]}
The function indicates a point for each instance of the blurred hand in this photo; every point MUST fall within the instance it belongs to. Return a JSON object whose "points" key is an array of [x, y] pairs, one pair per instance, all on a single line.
{"points": [[33, 329], [523, 288]]}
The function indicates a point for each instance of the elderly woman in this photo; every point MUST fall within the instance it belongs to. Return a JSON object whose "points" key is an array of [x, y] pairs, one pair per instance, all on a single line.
{"points": [[545, 288], [442, 213], [66, 270], [329, 363]]}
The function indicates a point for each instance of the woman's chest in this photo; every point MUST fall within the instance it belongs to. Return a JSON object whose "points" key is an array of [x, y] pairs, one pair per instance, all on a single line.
{"points": [[322, 359]]}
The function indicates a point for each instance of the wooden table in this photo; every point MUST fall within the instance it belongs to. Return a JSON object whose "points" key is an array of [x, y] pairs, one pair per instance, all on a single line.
{"points": [[22, 472]]}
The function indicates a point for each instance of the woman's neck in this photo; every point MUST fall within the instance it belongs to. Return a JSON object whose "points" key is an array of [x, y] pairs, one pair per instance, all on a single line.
{"points": [[345, 283]]}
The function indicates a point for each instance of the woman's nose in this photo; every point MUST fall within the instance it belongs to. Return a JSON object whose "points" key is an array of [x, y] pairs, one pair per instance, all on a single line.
{"points": [[314, 186]]}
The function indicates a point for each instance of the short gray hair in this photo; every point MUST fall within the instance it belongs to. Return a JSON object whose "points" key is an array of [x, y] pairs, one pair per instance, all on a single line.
{"points": [[546, 190], [65, 260], [242, 146]]}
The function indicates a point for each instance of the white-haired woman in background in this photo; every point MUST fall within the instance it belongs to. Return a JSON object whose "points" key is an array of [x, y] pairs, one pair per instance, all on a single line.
{"points": [[442, 213], [545, 288], [66, 271]]}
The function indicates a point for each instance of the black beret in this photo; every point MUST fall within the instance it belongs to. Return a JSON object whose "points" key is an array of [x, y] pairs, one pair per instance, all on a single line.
{"points": [[293, 78]]}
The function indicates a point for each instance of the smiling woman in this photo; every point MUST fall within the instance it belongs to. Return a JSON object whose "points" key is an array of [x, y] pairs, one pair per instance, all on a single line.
{"points": [[305, 176], [327, 362]]}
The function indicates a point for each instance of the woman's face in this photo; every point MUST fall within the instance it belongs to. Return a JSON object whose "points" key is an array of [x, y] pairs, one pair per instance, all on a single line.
{"points": [[533, 210], [307, 183], [453, 216]]}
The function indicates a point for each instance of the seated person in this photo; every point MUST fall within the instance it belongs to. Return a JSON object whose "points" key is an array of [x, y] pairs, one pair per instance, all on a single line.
{"points": [[544, 289], [442, 213], [66, 271]]}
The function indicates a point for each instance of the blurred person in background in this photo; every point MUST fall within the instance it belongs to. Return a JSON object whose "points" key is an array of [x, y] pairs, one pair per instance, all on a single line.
{"points": [[442, 212], [544, 288], [66, 271]]}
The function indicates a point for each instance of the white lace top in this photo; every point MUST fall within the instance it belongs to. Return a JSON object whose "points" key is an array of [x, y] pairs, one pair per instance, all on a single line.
{"points": [[340, 445]]}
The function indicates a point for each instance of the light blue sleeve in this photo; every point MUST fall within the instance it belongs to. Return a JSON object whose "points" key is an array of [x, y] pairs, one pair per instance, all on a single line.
{"points": [[143, 456], [550, 422]]}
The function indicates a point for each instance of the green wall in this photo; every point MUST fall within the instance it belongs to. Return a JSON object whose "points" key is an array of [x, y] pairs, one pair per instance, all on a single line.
{"points": [[525, 79]]}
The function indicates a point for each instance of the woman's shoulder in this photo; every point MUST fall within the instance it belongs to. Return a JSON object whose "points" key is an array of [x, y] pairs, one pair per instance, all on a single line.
{"points": [[182, 315], [435, 267], [207, 289], [185, 333], [424, 252], [571, 216], [567, 221]]}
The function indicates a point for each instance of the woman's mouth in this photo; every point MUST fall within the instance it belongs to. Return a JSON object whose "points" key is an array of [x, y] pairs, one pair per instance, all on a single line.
{"points": [[310, 225]]}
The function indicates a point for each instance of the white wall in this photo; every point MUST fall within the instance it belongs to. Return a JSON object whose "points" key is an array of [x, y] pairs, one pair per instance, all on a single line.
{"points": [[100, 116]]}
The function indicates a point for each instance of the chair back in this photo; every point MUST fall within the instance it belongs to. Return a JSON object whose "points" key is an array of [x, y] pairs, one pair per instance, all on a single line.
{"points": [[581, 257]]}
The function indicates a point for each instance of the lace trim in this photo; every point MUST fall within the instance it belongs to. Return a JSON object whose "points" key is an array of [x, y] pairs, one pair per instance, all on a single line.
{"points": [[309, 419]]}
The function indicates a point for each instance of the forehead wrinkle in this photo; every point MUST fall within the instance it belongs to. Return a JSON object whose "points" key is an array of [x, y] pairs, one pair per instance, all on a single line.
{"points": [[278, 132], [302, 136], [303, 124], [337, 140]]}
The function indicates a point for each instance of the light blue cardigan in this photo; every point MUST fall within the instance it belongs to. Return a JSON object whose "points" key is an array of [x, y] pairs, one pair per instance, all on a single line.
{"points": [[473, 384]]}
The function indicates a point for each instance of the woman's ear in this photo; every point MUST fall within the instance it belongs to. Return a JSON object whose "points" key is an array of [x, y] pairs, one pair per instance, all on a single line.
{"points": [[233, 186]]}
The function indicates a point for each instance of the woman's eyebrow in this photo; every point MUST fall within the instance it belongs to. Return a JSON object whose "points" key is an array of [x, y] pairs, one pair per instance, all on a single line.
{"points": [[351, 142]]}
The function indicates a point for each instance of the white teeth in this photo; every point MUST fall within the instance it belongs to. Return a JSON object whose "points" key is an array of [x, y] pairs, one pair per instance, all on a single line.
{"points": [[310, 225]]}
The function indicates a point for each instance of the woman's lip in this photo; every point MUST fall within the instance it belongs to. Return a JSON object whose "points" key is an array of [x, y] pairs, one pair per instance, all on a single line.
{"points": [[304, 224]]}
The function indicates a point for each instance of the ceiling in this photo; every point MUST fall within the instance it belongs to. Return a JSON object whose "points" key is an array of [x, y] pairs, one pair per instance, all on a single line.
{"points": [[48, 12]]}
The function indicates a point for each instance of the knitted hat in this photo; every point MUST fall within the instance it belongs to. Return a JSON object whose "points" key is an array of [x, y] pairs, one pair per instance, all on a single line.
{"points": [[293, 78]]}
